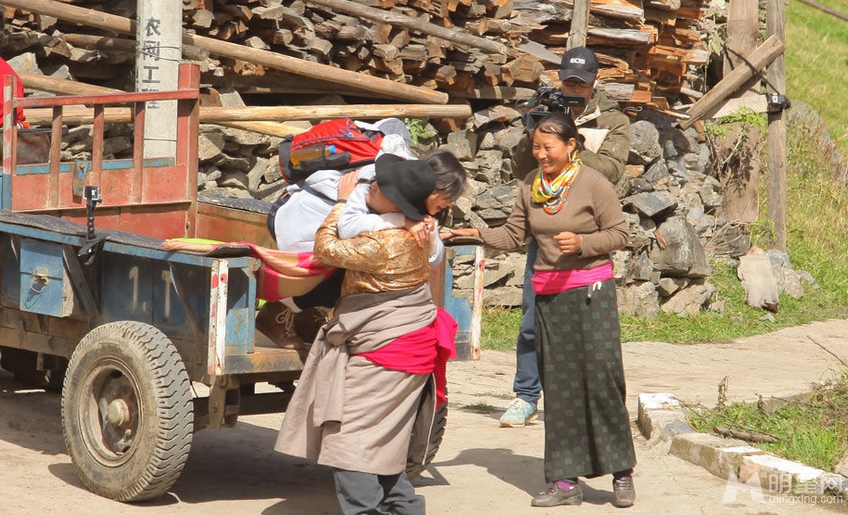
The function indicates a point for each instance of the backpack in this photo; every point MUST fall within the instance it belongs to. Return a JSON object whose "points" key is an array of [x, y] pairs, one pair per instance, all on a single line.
{"points": [[335, 144]]}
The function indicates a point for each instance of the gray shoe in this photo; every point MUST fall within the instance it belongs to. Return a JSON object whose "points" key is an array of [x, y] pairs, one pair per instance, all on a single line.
{"points": [[518, 412], [558, 496], [623, 492]]}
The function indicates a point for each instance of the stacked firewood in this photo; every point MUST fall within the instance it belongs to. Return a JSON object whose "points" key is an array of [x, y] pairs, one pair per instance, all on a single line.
{"points": [[487, 49]]}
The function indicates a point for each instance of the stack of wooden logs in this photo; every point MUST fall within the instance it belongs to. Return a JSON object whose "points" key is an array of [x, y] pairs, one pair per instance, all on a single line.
{"points": [[484, 49]]}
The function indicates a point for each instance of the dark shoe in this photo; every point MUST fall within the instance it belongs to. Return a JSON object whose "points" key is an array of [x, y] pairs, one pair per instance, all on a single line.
{"points": [[623, 492], [276, 321], [558, 496]]}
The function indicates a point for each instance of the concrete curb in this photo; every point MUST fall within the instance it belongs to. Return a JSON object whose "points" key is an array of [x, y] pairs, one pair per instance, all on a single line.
{"points": [[662, 421]]}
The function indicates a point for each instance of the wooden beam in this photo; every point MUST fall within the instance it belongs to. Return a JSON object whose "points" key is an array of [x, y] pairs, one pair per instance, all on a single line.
{"points": [[69, 87], [62, 86], [101, 20], [321, 112], [106, 43], [74, 115], [579, 24], [759, 59]]}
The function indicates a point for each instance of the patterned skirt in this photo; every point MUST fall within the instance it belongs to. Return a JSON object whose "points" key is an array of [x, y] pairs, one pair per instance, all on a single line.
{"points": [[578, 344]]}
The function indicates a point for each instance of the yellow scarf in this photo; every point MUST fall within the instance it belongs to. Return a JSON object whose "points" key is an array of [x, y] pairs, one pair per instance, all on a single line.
{"points": [[554, 194]]}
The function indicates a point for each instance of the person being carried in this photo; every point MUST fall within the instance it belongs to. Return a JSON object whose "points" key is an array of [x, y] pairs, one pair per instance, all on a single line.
{"points": [[377, 368], [608, 129], [293, 320], [574, 214]]}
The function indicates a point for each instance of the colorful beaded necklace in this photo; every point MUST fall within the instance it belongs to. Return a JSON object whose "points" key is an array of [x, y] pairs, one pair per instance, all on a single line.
{"points": [[553, 195]]}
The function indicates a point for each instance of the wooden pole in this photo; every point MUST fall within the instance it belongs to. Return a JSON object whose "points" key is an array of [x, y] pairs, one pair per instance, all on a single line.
{"points": [[776, 85], [69, 87], [579, 24], [74, 115], [101, 20], [321, 112], [62, 86], [110, 44], [416, 24], [759, 59]]}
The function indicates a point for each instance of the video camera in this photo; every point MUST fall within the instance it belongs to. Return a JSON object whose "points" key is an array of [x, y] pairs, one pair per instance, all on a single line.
{"points": [[547, 100]]}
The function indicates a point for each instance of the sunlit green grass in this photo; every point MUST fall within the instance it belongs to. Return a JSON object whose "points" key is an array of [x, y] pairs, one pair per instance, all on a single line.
{"points": [[817, 63], [812, 430]]}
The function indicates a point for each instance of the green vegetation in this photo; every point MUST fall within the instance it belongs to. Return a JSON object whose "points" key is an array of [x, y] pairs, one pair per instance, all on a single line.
{"points": [[744, 116], [500, 328], [812, 429], [817, 63], [418, 130]]}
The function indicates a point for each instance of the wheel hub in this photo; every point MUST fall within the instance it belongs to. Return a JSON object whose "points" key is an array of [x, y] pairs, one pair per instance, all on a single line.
{"points": [[117, 413]]}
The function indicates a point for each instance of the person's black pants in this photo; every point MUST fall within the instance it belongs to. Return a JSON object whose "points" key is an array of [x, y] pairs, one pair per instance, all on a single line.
{"points": [[325, 294], [361, 493]]}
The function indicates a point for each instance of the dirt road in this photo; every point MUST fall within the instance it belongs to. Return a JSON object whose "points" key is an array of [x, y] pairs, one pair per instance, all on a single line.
{"points": [[480, 467]]}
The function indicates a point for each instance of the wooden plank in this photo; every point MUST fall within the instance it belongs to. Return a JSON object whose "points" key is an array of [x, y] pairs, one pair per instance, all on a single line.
{"points": [[79, 115], [613, 37], [620, 9]]}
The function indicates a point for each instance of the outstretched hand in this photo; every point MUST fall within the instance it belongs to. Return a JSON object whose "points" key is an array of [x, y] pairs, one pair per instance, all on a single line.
{"points": [[466, 231]]}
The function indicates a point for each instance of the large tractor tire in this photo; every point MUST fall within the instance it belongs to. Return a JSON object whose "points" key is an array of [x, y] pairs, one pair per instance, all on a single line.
{"points": [[439, 423], [127, 411]]}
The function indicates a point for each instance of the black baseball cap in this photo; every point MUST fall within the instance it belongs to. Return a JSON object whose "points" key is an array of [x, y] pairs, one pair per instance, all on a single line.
{"points": [[579, 62], [407, 183]]}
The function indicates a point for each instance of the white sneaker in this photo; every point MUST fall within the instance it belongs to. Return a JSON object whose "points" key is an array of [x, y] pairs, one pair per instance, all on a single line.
{"points": [[518, 413]]}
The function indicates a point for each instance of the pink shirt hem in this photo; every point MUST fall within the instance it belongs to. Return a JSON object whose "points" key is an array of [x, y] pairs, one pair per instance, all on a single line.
{"points": [[551, 282]]}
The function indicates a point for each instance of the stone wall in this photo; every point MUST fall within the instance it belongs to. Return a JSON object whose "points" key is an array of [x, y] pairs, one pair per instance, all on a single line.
{"points": [[672, 201]]}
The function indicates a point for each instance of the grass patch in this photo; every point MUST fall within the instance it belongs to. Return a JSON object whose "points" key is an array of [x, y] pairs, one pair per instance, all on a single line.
{"points": [[812, 430], [482, 407], [817, 63], [500, 328]]}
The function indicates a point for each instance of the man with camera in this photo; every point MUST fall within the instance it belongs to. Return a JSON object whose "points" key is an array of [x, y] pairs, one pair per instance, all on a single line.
{"points": [[607, 144]]}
